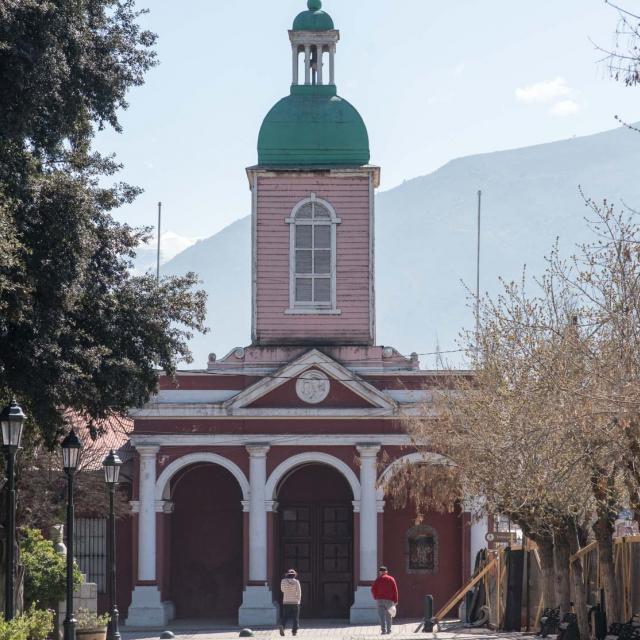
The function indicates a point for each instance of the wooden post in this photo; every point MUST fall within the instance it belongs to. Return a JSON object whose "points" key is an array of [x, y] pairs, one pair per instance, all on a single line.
{"points": [[461, 592], [498, 580], [525, 584]]}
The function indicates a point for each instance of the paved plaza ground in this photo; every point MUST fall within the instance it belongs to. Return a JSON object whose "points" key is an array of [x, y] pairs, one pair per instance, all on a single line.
{"points": [[323, 630]]}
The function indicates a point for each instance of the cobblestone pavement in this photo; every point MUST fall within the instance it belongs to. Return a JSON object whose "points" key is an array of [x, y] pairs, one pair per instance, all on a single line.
{"points": [[322, 630]]}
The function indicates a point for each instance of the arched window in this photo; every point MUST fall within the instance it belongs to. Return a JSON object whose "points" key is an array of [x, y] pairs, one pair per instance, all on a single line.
{"points": [[312, 257], [422, 549]]}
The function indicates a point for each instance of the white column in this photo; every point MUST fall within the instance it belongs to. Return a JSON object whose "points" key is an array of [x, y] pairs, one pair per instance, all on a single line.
{"points": [[307, 64], [332, 64], [257, 512], [363, 610], [319, 55], [257, 606], [294, 61], [147, 608], [147, 517], [368, 511], [479, 526]]}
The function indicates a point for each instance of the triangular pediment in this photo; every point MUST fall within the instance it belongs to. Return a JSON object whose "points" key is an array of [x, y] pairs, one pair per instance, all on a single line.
{"points": [[314, 383]]}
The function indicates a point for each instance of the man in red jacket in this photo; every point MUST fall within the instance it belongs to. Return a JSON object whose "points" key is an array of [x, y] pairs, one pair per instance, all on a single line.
{"points": [[385, 593]]}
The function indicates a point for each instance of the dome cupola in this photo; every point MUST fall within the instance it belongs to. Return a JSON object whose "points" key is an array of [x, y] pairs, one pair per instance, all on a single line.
{"points": [[314, 19], [313, 126]]}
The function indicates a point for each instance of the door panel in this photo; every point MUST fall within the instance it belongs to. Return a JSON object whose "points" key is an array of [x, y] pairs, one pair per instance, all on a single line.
{"points": [[317, 541]]}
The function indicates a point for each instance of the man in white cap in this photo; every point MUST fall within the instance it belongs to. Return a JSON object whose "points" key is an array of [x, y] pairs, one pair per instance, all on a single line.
{"points": [[291, 597]]}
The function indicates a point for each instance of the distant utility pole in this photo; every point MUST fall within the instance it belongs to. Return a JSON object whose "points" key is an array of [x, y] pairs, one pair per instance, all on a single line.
{"points": [[159, 229], [478, 272]]}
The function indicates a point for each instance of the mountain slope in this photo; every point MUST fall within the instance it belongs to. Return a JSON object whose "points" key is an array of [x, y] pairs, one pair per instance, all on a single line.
{"points": [[426, 238]]}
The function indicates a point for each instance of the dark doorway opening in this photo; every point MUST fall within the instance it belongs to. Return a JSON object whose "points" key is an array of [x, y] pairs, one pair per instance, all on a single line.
{"points": [[206, 543], [315, 532]]}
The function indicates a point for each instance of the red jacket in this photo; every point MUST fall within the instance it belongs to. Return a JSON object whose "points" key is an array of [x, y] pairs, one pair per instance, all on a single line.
{"points": [[385, 588]]}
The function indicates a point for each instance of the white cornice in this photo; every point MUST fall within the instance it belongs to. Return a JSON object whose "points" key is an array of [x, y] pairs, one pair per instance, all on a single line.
{"points": [[275, 440], [344, 172]]}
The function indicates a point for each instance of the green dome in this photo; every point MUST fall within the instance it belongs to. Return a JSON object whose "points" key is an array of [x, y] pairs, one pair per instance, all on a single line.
{"points": [[312, 130], [314, 19]]}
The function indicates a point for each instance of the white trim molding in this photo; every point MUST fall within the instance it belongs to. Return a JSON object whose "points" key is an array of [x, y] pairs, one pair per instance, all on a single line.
{"points": [[280, 439], [411, 458], [310, 457], [163, 483]]}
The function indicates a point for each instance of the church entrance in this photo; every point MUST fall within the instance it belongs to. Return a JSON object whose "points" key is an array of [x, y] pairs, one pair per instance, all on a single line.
{"points": [[205, 543], [315, 532]]}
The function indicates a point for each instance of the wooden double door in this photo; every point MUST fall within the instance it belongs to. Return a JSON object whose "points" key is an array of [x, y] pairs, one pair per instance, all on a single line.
{"points": [[317, 541]]}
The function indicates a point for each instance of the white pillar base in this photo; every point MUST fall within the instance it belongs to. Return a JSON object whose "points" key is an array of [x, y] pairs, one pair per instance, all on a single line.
{"points": [[364, 609], [257, 608], [147, 609]]}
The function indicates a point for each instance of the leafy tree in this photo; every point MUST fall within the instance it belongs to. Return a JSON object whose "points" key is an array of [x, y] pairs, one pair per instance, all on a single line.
{"points": [[547, 429], [77, 330]]}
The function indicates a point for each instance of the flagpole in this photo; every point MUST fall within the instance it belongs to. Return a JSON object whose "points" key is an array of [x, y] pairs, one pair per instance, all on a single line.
{"points": [[159, 229], [478, 273]]}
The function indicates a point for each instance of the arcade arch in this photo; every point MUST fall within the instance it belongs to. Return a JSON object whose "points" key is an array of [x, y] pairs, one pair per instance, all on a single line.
{"points": [[311, 457]]}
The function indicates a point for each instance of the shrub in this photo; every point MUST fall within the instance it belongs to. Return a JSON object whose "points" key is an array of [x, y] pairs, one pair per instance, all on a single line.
{"points": [[44, 570], [89, 620], [33, 625]]}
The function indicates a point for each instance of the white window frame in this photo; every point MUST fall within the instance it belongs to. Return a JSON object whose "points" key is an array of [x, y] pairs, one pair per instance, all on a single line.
{"points": [[312, 308]]}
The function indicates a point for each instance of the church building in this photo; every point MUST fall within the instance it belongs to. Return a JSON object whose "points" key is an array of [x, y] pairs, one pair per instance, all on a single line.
{"points": [[276, 456]]}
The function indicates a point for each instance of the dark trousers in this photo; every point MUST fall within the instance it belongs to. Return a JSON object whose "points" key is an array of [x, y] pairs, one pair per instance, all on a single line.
{"points": [[290, 612]]}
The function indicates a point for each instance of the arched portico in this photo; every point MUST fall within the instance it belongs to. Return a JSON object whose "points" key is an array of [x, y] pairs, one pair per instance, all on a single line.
{"points": [[313, 532], [202, 543], [150, 603], [466, 528]]}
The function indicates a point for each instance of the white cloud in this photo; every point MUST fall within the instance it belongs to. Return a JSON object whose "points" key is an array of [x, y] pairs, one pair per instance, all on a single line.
{"points": [[565, 108], [545, 91]]}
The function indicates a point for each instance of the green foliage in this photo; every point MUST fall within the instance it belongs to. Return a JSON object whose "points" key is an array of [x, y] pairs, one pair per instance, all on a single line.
{"points": [[89, 620], [35, 624], [66, 64], [78, 332], [44, 570]]}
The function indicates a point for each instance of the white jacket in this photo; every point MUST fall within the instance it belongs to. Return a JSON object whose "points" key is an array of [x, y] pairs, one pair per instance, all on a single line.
{"points": [[291, 591]]}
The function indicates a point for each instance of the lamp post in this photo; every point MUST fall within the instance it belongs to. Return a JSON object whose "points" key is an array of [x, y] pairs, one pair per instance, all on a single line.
{"points": [[71, 448], [111, 465], [12, 420]]}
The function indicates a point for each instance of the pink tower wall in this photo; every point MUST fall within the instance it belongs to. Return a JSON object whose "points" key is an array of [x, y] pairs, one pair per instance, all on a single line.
{"points": [[274, 199]]}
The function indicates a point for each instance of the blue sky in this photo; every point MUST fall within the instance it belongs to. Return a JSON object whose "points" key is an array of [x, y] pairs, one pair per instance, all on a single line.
{"points": [[433, 79]]}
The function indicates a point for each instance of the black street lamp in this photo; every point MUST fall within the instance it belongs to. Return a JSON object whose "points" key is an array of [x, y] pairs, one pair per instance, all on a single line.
{"points": [[71, 448], [111, 465], [12, 420]]}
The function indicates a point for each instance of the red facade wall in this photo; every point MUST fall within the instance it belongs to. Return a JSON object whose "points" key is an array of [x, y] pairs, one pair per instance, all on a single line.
{"points": [[266, 427], [275, 199], [414, 586]]}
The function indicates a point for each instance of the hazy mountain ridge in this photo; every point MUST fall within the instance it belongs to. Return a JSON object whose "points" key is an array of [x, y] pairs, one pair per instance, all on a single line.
{"points": [[426, 238]]}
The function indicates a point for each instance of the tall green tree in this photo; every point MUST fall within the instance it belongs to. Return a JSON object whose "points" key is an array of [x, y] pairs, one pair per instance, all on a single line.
{"points": [[78, 331]]}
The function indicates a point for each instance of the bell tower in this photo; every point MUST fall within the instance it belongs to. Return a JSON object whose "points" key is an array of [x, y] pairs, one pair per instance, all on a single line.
{"points": [[313, 205]]}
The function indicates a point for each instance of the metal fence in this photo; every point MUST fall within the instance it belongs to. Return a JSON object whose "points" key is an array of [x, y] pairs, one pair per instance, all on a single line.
{"points": [[90, 541]]}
